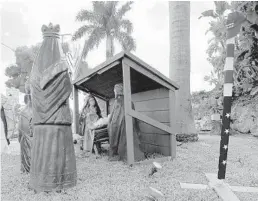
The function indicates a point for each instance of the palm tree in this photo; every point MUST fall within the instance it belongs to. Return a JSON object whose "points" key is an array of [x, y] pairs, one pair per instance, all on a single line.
{"points": [[179, 70], [105, 21]]}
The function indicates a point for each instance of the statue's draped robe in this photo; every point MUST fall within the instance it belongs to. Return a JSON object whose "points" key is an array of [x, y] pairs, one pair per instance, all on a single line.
{"points": [[53, 164], [117, 133], [87, 119], [5, 130], [4, 140], [25, 138]]}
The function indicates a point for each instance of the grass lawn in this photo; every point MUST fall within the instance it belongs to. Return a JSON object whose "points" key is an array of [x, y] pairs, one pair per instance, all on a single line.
{"points": [[99, 179]]}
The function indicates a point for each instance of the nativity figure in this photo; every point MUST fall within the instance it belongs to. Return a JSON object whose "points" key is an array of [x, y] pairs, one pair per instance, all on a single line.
{"points": [[89, 115], [25, 131], [5, 142], [117, 131], [53, 163]]}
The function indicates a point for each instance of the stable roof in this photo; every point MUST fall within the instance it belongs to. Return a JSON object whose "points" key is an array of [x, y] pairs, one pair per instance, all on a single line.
{"points": [[100, 80]]}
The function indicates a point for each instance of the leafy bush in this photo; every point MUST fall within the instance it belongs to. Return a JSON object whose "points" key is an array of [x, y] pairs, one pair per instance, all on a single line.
{"points": [[246, 48]]}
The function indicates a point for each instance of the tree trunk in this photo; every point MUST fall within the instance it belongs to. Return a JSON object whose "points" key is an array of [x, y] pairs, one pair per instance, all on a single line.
{"points": [[109, 47], [179, 70]]}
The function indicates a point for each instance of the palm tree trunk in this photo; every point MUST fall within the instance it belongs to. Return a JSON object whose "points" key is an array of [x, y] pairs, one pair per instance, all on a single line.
{"points": [[109, 47], [179, 70]]}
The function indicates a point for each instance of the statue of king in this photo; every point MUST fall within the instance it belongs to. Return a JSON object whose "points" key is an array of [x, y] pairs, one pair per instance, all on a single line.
{"points": [[53, 164]]}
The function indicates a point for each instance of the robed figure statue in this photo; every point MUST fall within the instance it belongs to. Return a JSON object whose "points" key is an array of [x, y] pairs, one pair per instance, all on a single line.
{"points": [[89, 115], [5, 142], [117, 132], [53, 164], [25, 131]]}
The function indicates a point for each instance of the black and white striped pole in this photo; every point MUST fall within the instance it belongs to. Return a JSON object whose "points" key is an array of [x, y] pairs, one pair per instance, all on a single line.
{"points": [[234, 23]]}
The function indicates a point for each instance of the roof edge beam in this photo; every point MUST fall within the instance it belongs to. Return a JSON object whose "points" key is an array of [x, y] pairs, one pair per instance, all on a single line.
{"points": [[145, 65], [92, 92], [108, 67], [147, 73], [100, 66]]}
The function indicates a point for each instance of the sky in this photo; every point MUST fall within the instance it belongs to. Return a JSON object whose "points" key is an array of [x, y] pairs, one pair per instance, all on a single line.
{"points": [[21, 22]]}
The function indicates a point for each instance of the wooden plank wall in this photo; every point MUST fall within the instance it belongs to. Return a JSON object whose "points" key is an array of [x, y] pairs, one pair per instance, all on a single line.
{"points": [[154, 104]]}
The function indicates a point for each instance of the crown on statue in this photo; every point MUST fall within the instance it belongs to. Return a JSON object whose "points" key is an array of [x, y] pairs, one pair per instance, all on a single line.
{"points": [[50, 30]]}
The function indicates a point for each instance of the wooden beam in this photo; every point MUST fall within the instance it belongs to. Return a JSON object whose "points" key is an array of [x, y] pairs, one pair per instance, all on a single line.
{"points": [[108, 67], [128, 118], [147, 66], [75, 110], [172, 119], [221, 188], [150, 121], [82, 81], [92, 92], [243, 189], [148, 74], [102, 70], [85, 79], [100, 66], [107, 107], [193, 186], [135, 59]]}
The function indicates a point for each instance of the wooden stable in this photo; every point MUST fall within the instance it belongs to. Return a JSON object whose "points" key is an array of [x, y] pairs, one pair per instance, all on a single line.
{"points": [[152, 93]]}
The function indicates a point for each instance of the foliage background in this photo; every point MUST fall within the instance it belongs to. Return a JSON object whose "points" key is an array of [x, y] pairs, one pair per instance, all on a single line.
{"points": [[246, 48]]}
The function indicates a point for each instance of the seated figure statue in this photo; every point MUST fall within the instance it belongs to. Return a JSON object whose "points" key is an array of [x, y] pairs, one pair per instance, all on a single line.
{"points": [[117, 132], [90, 114], [25, 131]]}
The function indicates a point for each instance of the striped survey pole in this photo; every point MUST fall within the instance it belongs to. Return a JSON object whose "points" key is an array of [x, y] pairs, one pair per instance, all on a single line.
{"points": [[234, 22]]}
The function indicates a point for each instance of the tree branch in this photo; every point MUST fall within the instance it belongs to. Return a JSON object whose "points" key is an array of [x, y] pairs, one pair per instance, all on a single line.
{"points": [[8, 47]]}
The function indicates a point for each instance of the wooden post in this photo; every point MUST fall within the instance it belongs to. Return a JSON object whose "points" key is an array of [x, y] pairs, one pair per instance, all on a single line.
{"points": [[128, 118], [75, 110], [172, 117], [107, 107]]}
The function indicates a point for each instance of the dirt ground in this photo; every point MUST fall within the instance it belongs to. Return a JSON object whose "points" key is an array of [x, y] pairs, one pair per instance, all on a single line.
{"points": [[99, 179]]}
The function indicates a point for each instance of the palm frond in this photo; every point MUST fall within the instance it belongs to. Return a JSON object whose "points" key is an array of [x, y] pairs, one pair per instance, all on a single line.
{"points": [[208, 30], [83, 30], [98, 7], [86, 15], [218, 29], [111, 7], [127, 41], [124, 9], [93, 41], [211, 40], [127, 25], [112, 23]]}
